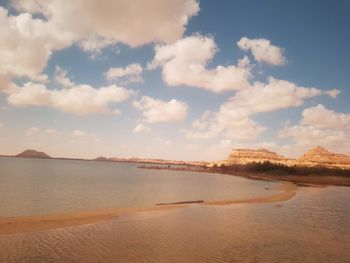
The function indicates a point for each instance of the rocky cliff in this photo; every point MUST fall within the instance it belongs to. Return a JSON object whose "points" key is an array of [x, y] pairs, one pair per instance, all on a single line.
{"points": [[321, 156], [33, 154], [244, 156], [317, 156]]}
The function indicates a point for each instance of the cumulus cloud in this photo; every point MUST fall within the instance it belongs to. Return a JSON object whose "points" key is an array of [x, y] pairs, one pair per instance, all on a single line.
{"points": [[79, 99], [263, 50], [234, 117], [320, 126], [140, 128], [273, 95], [203, 128], [41, 27], [27, 43], [102, 22], [131, 73], [30, 94], [306, 136], [62, 79], [322, 118], [185, 63], [6, 86], [155, 110]]}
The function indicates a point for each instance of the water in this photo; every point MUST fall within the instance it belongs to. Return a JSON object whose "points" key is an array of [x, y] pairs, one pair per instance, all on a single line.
{"points": [[314, 226], [41, 186]]}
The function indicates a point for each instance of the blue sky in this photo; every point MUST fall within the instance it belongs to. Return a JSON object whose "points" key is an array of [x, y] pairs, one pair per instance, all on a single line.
{"points": [[304, 47]]}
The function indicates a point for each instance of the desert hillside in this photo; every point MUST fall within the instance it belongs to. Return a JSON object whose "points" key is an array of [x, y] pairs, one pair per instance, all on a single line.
{"points": [[33, 154], [317, 156], [321, 156]]}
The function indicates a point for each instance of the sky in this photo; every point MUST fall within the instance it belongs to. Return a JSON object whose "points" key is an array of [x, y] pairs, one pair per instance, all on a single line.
{"points": [[177, 79]]}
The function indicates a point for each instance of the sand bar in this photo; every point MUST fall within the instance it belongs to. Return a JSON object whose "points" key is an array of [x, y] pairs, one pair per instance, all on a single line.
{"points": [[12, 225]]}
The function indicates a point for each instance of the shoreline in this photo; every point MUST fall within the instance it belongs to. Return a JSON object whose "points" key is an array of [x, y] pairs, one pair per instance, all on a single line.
{"points": [[22, 224], [300, 180]]}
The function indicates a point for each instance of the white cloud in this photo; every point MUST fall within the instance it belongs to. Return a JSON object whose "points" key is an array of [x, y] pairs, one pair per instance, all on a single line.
{"points": [[233, 119], [26, 44], [32, 131], [140, 128], [62, 79], [245, 129], [30, 94], [94, 45], [263, 50], [155, 110], [220, 150], [306, 136], [6, 86], [101, 22], [185, 63], [265, 97], [203, 128], [131, 73], [323, 118], [41, 27], [320, 126], [79, 100], [84, 99]]}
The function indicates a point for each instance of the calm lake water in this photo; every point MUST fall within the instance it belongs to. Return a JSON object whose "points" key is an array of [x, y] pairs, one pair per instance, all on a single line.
{"points": [[314, 226], [41, 186]]}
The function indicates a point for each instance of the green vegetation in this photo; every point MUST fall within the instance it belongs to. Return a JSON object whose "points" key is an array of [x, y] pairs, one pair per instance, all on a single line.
{"points": [[281, 169]]}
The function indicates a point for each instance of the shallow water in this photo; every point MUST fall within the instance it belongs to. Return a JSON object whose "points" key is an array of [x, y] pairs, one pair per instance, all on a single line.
{"points": [[314, 226], [41, 186]]}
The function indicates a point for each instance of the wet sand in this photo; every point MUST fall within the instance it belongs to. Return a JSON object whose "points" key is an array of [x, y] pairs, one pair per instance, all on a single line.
{"points": [[288, 193], [12, 225]]}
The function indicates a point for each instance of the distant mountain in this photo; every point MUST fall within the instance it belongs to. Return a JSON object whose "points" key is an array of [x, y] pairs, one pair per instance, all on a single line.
{"points": [[33, 154], [317, 156], [244, 156], [101, 158], [320, 155]]}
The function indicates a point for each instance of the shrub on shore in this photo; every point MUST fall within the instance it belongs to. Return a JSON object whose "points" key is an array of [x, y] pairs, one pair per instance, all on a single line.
{"points": [[282, 169]]}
